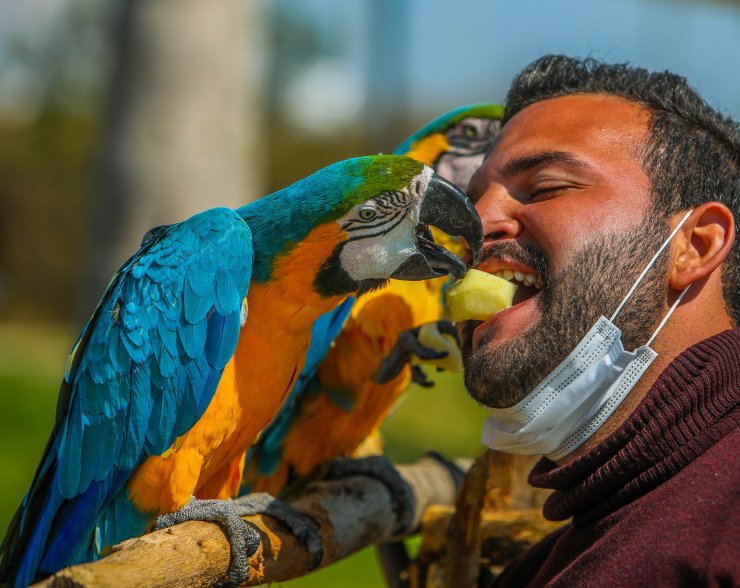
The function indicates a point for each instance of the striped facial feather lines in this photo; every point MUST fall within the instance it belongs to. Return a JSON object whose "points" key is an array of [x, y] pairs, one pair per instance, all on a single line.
{"points": [[378, 216]]}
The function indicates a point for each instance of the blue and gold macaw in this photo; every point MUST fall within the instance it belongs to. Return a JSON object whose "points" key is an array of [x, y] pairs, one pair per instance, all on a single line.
{"points": [[197, 342], [337, 398]]}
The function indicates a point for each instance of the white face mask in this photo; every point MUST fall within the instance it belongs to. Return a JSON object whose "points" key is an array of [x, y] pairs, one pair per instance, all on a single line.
{"points": [[580, 394]]}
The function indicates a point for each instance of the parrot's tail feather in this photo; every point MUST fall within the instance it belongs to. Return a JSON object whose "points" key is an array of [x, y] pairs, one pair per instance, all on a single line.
{"points": [[25, 542], [111, 521]]}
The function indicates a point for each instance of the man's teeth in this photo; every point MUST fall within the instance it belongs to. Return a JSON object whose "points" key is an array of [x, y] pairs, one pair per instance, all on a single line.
{"points": [[524, 278]]}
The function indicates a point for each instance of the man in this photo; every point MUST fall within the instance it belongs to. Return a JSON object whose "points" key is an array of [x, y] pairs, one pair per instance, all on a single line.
{"points": [[596, 167]]}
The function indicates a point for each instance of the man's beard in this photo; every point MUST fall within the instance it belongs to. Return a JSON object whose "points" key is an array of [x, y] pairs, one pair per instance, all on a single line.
{"points": [[594, 284]]}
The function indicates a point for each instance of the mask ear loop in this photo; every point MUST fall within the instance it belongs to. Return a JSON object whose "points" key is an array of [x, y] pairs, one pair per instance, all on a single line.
{"points": [[647, 268], [667, 316]]}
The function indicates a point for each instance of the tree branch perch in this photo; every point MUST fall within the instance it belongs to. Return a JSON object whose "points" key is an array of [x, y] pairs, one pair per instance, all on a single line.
{"points": [[350, 514]]}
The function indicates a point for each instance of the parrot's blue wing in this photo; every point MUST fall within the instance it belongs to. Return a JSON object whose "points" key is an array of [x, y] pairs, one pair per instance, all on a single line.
{"points": [[142, 373], [325, 330]]}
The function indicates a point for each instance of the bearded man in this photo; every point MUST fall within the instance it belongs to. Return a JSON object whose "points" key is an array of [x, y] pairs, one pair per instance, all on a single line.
{"points": [[606, 177]]}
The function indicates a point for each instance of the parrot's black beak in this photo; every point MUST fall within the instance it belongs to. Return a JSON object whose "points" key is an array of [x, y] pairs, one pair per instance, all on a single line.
{"points": [[447, 208]]}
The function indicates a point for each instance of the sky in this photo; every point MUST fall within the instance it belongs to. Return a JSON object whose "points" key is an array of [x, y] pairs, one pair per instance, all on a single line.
{"points": [[699, 40], [454, 52], [427, 56]]}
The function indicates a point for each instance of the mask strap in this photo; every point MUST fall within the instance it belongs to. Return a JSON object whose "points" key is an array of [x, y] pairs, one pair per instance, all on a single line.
{"points": [[647, 268], [667, 316]]}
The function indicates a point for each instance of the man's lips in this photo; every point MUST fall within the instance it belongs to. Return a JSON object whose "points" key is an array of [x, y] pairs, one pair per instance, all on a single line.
{"points": [[508, 323], [492, 266]]}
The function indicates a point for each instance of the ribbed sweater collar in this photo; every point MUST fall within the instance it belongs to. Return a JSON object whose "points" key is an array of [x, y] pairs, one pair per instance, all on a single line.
{"points": [[691, 405]]}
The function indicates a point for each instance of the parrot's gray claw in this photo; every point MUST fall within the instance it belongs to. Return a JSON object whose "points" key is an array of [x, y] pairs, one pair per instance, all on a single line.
{"points": [[380, 468], [243, 537], [407, 347], [419, 377], [299, 525]]}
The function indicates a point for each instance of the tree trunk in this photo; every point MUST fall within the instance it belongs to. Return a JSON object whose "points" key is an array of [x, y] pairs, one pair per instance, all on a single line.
{"points": [[183, 122]]}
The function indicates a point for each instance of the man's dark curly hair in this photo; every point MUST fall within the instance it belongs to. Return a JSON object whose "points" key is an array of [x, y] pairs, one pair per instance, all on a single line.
{"points": [[692, 151]]}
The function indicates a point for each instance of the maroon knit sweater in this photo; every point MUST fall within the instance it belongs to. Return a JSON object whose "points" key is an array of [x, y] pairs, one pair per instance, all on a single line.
{"points": [[658, 502]]}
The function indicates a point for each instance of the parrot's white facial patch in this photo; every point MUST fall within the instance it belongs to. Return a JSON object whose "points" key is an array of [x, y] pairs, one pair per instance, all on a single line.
{"points": [[382, 231]]}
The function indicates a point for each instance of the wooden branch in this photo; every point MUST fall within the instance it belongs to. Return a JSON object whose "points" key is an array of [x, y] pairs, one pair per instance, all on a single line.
{"points": [[461, 563], [351, 514], [504, 534], [496, 518]]}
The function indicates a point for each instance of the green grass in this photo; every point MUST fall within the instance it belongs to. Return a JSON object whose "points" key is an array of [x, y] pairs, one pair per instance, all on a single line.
{"points": [[32, 360], [31, 366]]}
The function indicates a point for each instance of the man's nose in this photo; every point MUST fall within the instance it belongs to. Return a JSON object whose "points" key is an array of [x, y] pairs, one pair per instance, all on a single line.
{"points": [[499, 214]]}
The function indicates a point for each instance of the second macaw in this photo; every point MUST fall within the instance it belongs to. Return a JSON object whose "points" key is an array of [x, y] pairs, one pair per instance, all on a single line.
{"points": [[336, 405], [176, 373]]}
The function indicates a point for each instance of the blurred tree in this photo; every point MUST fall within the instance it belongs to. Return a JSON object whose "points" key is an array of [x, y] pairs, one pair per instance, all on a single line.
{"points": [[388, 49], [182, 129], [51, 58]]}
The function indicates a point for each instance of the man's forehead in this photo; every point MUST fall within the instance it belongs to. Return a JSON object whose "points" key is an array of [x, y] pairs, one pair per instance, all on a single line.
{"points": [[590, 126]]}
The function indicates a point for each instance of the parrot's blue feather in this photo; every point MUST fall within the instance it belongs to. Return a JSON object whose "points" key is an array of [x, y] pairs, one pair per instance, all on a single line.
{"points": [[210, 381], [168, 338], [166, 363], [161, 430], [134, 422], [144, 370], [193, 338], [200, 279], [69, 543], [223, 332], [36, 543], [196, 307], [70, 463], [225, 292], [121, 520]]}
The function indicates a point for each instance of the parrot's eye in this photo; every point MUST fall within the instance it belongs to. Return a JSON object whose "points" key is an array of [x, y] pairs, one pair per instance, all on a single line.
{"points": [[470, 131], [366, 214]]}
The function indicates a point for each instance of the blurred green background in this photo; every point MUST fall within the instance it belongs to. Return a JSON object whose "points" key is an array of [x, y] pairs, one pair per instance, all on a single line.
{"points": [[120, 115]]}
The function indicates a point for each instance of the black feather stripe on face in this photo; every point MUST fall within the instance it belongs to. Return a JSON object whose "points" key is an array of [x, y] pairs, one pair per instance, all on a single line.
{"points": [[387, 228], [384, 209]]}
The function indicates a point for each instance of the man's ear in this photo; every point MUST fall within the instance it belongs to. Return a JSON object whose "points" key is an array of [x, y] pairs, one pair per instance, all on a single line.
{"points": [[708, 235]]}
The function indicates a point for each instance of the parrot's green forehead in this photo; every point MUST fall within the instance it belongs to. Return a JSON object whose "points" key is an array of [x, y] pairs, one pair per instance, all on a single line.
{"points": [[450, 119], [377, 174], [494, 111]]}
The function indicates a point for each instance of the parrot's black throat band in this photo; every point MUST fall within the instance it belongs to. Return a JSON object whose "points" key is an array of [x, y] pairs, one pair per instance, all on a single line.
{"points": [[333, 280]]}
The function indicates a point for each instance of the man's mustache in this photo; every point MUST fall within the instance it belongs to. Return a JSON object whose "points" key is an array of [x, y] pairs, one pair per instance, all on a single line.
{"points": [[511, 251]]}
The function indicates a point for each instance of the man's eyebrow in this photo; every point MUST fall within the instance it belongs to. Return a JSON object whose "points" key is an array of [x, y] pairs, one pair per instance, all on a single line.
{"points": [[529, 162]]}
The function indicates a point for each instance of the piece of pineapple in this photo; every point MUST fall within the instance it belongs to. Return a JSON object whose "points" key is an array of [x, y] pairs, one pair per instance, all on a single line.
{"points": [[478, 296]]}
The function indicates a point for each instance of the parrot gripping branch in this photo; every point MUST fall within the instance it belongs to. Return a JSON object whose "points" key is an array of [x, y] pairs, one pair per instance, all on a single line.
{"points": [[350, 513]]}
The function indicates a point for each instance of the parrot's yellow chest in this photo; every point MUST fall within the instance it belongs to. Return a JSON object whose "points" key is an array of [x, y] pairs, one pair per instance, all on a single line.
{"points": [[271, 351]]}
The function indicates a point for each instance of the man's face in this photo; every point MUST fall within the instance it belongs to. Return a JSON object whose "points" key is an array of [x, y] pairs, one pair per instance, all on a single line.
{"points": [[562, 195]]}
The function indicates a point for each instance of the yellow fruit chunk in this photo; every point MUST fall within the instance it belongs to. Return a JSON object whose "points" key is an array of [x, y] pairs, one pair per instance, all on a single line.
{"points": [[478, 296]]}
